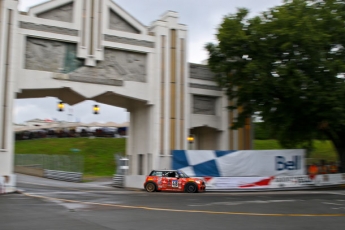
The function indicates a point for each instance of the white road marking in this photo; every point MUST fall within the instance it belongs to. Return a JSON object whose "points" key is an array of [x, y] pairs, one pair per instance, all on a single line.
{"points": [[331, 203], [337, 193]]}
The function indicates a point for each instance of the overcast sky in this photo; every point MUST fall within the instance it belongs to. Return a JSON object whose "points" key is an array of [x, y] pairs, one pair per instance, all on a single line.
{"points": [[202, 18]]}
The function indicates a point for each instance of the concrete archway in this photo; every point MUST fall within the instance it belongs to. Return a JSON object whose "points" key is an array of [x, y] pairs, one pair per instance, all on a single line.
{"points": [[79, 50], [205, 138]]}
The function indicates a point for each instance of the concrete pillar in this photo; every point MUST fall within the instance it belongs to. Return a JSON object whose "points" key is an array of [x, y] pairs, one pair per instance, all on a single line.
{"points": [[171, 39], [139, 138], [8, 58]]}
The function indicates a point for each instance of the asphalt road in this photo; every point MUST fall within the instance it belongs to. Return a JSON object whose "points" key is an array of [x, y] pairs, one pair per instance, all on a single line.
{"points": [[49, 205]]}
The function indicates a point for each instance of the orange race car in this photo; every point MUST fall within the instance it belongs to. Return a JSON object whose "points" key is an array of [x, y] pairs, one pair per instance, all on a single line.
{"points": [[173, 180]]}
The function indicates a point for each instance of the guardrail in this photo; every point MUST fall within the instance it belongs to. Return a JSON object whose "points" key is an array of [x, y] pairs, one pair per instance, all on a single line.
{"points": [[118, 181], [62, 175], [57, 167]]}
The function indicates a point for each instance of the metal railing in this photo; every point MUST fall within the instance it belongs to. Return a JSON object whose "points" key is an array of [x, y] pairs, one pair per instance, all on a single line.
{"points": [[67, 163]]}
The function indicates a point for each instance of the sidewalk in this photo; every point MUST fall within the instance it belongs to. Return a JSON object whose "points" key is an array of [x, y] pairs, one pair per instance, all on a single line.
{"points": [[100, 182]]}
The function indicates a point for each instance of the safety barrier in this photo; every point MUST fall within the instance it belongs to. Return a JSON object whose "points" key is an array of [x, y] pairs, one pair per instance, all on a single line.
{"points": [[273, 182], [118, 180], [64, 176], [57, 167]]}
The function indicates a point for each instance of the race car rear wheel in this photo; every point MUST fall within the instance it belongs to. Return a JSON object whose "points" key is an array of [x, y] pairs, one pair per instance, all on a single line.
{"points": [[150, 187], [191, 188]]}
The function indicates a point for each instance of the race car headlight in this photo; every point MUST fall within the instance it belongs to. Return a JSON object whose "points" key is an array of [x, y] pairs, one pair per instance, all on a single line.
{"points": [[198, 182]]}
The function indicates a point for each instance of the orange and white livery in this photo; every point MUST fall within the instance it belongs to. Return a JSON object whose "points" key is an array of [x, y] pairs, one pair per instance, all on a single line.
{"points": [[173, 180]]}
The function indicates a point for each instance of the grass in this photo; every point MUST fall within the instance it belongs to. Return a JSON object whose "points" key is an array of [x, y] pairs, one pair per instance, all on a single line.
{"points": [[99, 152]]}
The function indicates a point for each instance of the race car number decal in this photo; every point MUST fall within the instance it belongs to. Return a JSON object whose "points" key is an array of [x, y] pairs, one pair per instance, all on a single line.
{"points": [[174, 184]]}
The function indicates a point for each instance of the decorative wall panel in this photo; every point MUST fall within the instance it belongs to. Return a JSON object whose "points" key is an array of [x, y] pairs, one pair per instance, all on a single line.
{"points": [[202, 86], [52, 56], [49, 29], [63, 13], [204, 105], [201, 72], [60, 57], [129, 41], [118, 23], [117, 64]]}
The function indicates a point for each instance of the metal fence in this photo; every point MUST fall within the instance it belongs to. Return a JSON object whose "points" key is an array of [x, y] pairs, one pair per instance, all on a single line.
{"points": [[67, 163]]}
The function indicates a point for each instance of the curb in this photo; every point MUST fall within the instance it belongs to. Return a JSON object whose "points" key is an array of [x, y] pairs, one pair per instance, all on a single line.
{"points": [[14, 192], [328, 187]]}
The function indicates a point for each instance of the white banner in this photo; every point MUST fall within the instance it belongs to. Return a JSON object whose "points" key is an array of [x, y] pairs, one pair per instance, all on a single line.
{"points": [[329, 179], [262, 163], [278, 182], [292, 181], [220, 183]]}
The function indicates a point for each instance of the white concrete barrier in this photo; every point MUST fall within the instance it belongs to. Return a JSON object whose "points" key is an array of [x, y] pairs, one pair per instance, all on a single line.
{"points": [[7, 184], [255, 183], [134, 181]]}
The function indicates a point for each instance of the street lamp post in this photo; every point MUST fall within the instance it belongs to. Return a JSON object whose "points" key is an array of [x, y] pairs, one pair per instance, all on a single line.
{"points": [[190, 139]]}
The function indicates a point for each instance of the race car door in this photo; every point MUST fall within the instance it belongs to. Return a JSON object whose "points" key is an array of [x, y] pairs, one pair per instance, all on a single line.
{"points": [[172, 181]]}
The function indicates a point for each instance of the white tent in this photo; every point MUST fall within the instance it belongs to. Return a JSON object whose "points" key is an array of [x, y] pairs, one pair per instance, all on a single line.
{"points": [[124, 124], [94, 124], [31, 128], [110, 124]]}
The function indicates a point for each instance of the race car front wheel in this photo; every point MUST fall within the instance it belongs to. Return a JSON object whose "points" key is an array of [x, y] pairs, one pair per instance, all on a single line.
{"points": [[191, 188], [150, 187]]}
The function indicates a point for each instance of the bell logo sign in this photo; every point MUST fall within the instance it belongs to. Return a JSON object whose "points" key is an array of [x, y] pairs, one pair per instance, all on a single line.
{"points": [[283, 164]]}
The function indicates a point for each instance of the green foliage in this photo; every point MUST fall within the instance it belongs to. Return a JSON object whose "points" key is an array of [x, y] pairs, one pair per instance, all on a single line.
{"points": [[323, 150], [261, 131], [98, 153], [287, 64]]}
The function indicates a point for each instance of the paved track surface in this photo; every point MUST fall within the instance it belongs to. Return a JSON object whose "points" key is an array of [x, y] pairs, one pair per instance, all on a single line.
{"points": [[49, 205]]}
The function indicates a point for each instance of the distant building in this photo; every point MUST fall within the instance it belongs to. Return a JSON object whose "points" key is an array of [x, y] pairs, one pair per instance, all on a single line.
{"points": [[45, 122]]}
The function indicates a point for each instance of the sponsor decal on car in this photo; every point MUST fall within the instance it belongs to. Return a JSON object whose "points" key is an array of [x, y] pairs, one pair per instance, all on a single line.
{"points": [[175, 184]]}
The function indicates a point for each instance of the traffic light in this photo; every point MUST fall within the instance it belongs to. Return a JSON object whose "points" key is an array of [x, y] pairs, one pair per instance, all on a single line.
{"points": [[61, 106], [95, 109]]}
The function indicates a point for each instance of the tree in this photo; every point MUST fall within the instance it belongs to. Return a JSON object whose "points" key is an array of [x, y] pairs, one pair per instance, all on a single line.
{"points": [[287, 64]]}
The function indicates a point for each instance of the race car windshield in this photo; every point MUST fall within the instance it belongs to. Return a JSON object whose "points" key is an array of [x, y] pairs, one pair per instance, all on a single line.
{"points": [[183, 175]]}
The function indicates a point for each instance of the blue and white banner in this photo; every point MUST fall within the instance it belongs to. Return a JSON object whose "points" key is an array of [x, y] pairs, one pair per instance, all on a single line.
{"points": [[243, 163]]}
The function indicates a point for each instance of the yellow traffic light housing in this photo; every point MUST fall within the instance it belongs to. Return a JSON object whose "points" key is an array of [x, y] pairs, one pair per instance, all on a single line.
{"points": [[96, 109], [190, 138], [61, 106]]}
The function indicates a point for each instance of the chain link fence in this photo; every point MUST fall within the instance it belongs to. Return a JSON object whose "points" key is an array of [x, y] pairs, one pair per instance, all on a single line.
{"points": [[67, 163]]}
